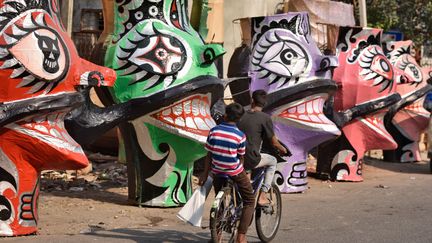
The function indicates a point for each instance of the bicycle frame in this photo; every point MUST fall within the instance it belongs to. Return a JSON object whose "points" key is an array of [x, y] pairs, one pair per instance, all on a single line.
{"points": [[256, 181]]}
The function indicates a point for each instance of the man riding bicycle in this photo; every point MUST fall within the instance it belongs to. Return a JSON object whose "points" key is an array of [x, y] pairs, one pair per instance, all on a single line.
{"points": [[226, 147], [258, 127]]}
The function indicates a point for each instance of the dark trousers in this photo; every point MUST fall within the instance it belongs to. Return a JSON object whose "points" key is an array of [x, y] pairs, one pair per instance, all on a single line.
{"points": [[245, 189]]}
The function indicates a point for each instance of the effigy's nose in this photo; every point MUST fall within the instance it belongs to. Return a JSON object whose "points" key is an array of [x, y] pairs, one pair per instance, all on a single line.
{"points": [[90, 74]]}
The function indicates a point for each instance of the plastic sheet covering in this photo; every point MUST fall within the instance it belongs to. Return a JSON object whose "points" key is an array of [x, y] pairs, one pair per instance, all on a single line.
{"points": [[193, 210], [324, 12]]}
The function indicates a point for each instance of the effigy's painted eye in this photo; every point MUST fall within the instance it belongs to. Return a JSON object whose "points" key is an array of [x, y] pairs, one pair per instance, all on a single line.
{"points": [[174, 16], [44, 56], [411, 69], [279, 60], [161, 55], [376, 67]]}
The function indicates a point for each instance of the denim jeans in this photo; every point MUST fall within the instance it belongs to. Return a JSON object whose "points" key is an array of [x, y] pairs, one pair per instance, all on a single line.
{"points": [[269, 162]]}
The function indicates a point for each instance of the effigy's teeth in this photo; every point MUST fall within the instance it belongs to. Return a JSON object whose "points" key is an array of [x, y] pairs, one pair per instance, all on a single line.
{"points": [[323, 118], [54, 132], [201, 124], [316, 105], [301, 109], [309, 107], [203, 108], [190, 123], [180, 122], [41, 128], [168, 119], [178, 109], [315, 118], [195, 107], [187, 107], [166, 112], [304, 117], [210, 122]]}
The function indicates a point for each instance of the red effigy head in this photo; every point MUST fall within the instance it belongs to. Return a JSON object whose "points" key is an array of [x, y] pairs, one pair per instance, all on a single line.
{"points": [[40, 71]]}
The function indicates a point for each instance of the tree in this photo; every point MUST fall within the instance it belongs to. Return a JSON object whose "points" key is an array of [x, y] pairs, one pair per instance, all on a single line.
{"points": [[412, 17]]}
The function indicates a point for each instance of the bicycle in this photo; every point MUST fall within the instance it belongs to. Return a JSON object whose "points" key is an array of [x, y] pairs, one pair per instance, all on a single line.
{"points": [[226, 211]]}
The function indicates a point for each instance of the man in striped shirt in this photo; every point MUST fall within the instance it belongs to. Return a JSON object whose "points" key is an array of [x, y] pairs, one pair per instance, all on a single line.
{"points": [[226, 148]]}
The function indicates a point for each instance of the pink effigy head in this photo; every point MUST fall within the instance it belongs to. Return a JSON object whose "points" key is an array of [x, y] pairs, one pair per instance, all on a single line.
{"points": [[365, 75], [40, 71], [408, 118], [365, 78]]}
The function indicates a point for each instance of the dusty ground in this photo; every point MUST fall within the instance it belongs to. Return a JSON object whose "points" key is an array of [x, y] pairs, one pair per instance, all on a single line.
{"points": [[393, 198]]}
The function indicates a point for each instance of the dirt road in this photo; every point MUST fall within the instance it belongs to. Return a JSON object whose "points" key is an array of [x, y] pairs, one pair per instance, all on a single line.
{"points": [[393, 204]]}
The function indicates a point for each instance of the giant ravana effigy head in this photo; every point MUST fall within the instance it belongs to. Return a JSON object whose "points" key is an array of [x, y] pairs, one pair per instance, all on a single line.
{"points": [[167, 77], [367, 88], [286, 62], [40, 72], [407, 119]]}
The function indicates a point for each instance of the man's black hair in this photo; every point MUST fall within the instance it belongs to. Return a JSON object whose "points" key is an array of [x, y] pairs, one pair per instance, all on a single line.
{"points": [[234, 112], [259, 98]]}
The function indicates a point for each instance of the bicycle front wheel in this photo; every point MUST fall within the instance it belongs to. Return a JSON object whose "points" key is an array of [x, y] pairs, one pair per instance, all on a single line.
{"points": [[223, 220], [267, 219]]}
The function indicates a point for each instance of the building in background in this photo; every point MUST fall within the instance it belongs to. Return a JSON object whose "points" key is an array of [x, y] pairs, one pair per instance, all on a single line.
{"points": [[83, 19]]}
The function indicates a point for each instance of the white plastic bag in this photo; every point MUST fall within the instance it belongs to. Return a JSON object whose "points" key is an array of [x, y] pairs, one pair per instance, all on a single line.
{"points": [[193, 210]]}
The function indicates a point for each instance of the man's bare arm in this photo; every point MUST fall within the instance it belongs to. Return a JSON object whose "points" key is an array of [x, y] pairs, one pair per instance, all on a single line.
{"points": [[275, 142], [241, 158]]}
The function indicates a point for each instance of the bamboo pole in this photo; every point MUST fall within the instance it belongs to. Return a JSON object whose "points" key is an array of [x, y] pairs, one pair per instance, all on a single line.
{"points": [[69, 23]]}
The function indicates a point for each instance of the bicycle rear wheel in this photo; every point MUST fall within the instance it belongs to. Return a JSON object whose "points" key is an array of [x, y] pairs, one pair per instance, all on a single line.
{"points": [[223, 217], [267, 219]]}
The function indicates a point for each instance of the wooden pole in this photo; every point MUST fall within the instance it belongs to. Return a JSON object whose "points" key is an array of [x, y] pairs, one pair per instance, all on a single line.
{"points": [[363, 14], [285, 8]]}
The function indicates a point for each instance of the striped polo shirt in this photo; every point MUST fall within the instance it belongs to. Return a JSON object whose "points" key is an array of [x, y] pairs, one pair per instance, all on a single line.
{"points": [[226, 142]]}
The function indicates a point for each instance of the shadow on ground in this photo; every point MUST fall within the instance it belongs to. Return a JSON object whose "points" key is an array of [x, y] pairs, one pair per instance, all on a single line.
{"points": [[150, 235], [153, 236], [422, 167]]}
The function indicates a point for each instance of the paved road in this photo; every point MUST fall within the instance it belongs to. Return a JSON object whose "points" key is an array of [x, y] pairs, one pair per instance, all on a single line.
{"points": [[393, 204]]}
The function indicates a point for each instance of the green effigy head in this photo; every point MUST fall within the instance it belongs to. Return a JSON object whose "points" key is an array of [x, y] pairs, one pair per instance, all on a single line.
{"points": [[154, 48], [164, 67]]}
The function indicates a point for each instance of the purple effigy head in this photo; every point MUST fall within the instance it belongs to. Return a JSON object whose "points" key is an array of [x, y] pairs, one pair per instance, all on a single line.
{"points": [[287, 63]]}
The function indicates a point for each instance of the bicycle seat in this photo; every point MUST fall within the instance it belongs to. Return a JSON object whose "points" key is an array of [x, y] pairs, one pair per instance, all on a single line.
{"points": [[258, 171]]}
